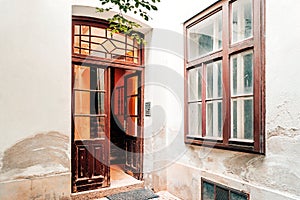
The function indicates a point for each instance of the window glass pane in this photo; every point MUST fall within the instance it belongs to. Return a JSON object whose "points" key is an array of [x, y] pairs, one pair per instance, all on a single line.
{"points": [[76, 29], [76, 41], [195, 84], [242, 118], [208, 192], [242, 73], [97, 103], [82, 102], [89, 102], [119, 37], [132, 85], [235, 196], [99, 42], [214, 80], [81, 77], [195, 119], [100, 75], [132, 126], [132, 106], [89, 127], [85, 30], [214, 121], [205, 37], [242, 20], [98, 31], [222, 194]]}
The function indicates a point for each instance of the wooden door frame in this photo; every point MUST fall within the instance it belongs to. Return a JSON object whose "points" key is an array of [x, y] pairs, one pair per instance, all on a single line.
{"points": [[80, 59], [136, 172], [108, 104]]}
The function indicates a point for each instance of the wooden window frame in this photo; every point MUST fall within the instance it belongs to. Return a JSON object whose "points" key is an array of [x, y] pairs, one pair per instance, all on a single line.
{"points": [[103, 24], [255, 43]]}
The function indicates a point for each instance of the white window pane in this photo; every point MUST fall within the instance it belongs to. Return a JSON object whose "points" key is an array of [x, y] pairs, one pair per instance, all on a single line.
{"points": [[195, 84], [205, 37], [242, 20], [195, 119], [214, 122], [242, 118], [242, 73], [214, 80]]}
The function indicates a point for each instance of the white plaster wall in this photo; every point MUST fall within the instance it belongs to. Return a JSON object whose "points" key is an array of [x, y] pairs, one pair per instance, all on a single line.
{"points": [[35, 65], [35, 99], [282, 68]]}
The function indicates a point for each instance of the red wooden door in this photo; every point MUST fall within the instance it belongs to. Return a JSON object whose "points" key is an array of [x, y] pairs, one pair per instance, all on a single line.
{"points": [[132, 97], [90, 141]]}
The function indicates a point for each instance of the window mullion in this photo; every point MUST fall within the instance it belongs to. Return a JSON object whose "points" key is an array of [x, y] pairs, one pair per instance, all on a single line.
{"points": [[226, 74], [203, 67]]}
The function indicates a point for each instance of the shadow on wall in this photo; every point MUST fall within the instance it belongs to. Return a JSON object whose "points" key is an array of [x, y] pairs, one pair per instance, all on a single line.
{"points": [[40, 155]]}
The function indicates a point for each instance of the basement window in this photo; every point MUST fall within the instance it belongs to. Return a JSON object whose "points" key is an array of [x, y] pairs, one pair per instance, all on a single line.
{"points": [[214, 191], [224, 70]]}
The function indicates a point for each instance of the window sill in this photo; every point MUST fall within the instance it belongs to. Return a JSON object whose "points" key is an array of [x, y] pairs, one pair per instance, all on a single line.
{"points": [[232, 145]]}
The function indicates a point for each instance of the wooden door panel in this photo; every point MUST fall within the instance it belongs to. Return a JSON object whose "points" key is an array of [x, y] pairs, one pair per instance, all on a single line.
{"points": [[90, 140], [83, 169], [132, 96], [92, 169]]}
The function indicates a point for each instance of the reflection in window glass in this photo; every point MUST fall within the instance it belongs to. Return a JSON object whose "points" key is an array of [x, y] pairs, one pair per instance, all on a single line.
{"points": [[214, 119], [214, 99], [205, 37], [214, 80], [89, 128], [195, 84], [195, 119], [242, 118], [242, 20], [132, 86], [208, 192], [222, 193], [132, 105], [242, 73], [132, 126], [235, 196]]}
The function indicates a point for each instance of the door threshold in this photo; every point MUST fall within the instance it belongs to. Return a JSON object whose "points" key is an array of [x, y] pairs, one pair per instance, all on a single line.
{"points": [[120, 182]]}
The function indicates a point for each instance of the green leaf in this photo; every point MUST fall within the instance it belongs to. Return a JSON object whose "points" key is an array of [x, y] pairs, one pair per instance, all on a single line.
{"points": [[153, 7]]}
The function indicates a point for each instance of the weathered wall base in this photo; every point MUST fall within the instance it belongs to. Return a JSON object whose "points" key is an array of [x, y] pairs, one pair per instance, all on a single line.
{"points": [[54, 187], [187, 185]]}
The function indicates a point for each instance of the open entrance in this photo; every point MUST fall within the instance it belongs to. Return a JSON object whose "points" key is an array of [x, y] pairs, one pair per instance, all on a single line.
{"points": [[125, 121], [125, 125], [107, 132], [107, 101]]}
